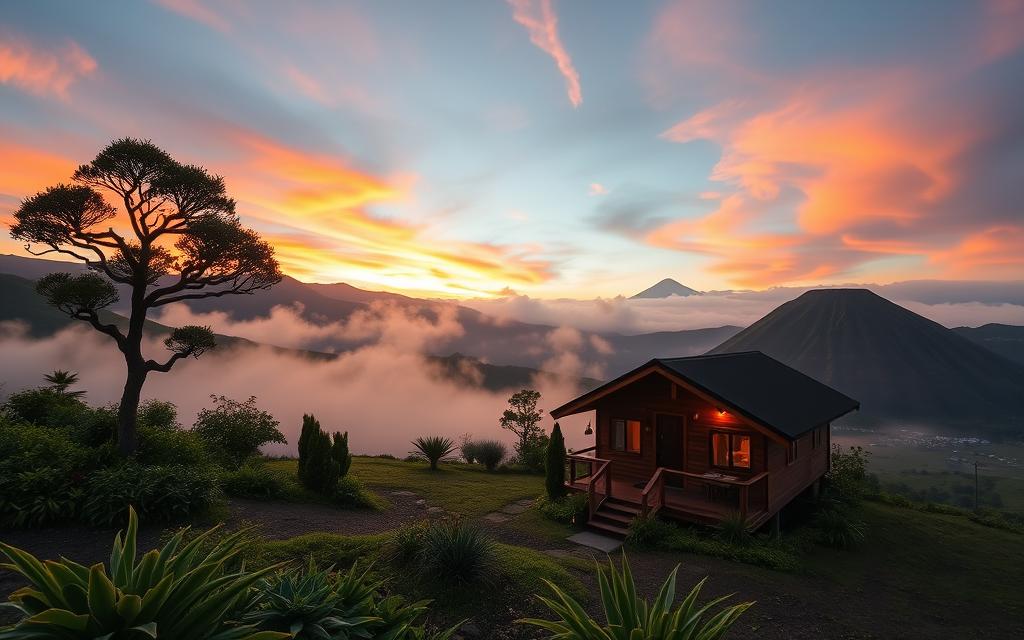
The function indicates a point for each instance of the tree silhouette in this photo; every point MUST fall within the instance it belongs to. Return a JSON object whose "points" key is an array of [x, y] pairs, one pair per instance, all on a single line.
{"points": [[60, 381], [185, 243]]}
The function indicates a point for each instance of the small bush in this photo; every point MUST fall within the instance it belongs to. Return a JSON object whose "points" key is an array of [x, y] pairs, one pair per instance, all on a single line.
{"points": [[433, 449], [38, 497], [252, 480], [838, 529], [162, 446], [554, 464], [455, 552], [349, 492], [165, 494], [490, 453], [234, 431], [847, 478], [468, 448], [340, 453], [158, 414], [733, 529], [46, 407], [407, 542], [570, 509], [649, 531], [320, 472], [310, 428]]}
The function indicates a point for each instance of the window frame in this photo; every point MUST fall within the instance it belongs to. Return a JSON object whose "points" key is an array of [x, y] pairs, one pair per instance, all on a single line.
{"points": [[625, 436], [729, 449]]}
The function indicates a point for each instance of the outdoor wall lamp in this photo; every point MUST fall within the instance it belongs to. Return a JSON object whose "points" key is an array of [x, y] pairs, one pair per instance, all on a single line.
{"points": [[589, 430]]}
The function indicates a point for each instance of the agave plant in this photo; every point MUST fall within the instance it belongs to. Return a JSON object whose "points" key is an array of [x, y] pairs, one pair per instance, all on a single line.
{"points": [[313, 604], [628, 617], [174, 593], [433, 448]]}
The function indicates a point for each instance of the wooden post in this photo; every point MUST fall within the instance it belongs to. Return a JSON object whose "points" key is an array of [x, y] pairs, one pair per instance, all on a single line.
{"points": [[777, 525], [744, 501]]}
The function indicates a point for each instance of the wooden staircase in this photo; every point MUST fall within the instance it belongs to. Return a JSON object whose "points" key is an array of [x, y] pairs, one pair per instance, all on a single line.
{"points": [[614, 516]]}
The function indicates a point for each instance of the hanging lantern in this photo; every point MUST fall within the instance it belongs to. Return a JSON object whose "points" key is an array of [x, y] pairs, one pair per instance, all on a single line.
{"points": [[589, 431]]}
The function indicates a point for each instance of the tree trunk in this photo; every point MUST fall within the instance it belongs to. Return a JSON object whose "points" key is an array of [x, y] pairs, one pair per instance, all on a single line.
{"points": [[127, 413]]}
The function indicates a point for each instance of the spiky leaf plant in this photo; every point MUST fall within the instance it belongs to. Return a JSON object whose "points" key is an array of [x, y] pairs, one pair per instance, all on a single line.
{"points": [[175, 593], [630, 618], [433, 449]]}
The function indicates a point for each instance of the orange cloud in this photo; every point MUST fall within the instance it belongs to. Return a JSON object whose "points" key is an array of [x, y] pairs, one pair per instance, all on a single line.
{"points": [[996, 251], [28, 170], [538, 16], [43, 72]]}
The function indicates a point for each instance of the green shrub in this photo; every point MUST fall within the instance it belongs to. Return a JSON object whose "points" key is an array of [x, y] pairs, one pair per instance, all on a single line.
{"points": [[310, 428], [24, 447], [234, 431], [38, 497], [406, 542], [349, 492], [837, 528], [570, 509], [454, 551], [96, 426], [847, 478], [176, 592], [434, 449], [252, 480], [649, 531], [162, 446], [158, 414], [469, 450], [45, 407], [320, 473], [554, 464], [629, 616], [490, 453], [165, 494], [734, 529], [340, 454]]}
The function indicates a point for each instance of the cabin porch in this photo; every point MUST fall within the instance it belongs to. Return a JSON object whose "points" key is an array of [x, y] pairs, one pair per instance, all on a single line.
{"points": [[615, 497]]}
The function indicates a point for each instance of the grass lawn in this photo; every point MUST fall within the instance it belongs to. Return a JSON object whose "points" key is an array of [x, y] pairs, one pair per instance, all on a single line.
{"points": [[468, 490], [933, 562]]}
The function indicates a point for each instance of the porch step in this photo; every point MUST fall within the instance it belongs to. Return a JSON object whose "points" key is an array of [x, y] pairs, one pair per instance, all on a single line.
{"points": [[607, 527], [621, 506]]}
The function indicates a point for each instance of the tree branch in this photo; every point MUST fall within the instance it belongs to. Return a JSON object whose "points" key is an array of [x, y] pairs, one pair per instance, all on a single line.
{"points": [[153, 365]]}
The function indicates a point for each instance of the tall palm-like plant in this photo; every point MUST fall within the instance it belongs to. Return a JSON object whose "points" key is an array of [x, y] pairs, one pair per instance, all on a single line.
{"points": [[628, 617], [433, 448], [61, 380]]}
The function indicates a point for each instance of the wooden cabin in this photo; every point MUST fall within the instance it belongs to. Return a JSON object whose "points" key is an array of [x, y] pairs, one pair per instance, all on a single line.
{"points": [[700, 438]]}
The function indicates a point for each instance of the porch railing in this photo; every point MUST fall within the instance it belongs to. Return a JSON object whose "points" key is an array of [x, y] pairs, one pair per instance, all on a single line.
{"points": [[653, 496], [584, 464]]}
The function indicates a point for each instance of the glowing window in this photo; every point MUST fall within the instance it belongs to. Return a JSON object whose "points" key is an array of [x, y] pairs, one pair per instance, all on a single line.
{"points": [[626, 435], [730, 450]]}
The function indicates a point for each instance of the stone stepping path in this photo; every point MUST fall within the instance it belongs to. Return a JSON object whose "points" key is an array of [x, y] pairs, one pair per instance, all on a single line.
{"points": [[509, 511]]}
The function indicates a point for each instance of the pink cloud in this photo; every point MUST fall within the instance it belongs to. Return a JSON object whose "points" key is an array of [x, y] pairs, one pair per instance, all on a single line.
{"points": [[198, 11], [538, 16], [43, 71]]}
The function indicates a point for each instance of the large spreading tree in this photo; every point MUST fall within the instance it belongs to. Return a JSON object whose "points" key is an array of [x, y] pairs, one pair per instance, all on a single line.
{"points": [[178, 238]]}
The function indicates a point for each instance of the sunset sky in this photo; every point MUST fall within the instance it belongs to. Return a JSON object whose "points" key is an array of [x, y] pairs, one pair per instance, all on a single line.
{"points": [[555, 148]]}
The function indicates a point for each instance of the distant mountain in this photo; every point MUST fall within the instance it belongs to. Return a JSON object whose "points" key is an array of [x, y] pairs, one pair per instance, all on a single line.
{"points": [[665, 289], [1005, 339], [899, 365], [489, 339]]}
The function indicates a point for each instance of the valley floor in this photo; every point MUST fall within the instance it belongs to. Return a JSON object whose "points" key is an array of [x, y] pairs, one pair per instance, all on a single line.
{"points": [[919, 575]]}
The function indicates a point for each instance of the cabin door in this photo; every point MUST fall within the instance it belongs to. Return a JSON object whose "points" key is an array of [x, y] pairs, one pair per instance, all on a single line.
{"points": [[669, 450]]}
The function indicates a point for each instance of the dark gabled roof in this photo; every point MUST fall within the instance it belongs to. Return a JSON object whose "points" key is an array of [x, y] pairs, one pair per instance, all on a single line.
{"points": [[750, 384]]}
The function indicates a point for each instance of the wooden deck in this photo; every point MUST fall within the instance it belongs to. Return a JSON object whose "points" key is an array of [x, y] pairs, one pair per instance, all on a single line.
{"points": [[696, 502]]}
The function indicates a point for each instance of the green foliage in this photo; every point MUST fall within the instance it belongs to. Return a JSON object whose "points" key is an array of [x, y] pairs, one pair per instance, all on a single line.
{"points": [[158, 414], [433, 449], [310, 428], [38, 497], [46, 407], [847, 479], [649, 531], [252, 480], [349, 492], [74, 294], [490, 453], [234, 431], [734, 529], [161, 446], [340, 454], [628, 616], [570, 509], [468, 449], [176, 592], [166, 494], [837, 528], [320, 471], [523, 419], [191, 340], [554, 464], [60, 381], [454, 551]]}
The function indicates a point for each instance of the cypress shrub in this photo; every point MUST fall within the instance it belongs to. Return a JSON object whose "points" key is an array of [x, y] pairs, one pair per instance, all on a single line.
{"points": [[340, 454], [321, 471], [554, 464], [310, 427]]}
